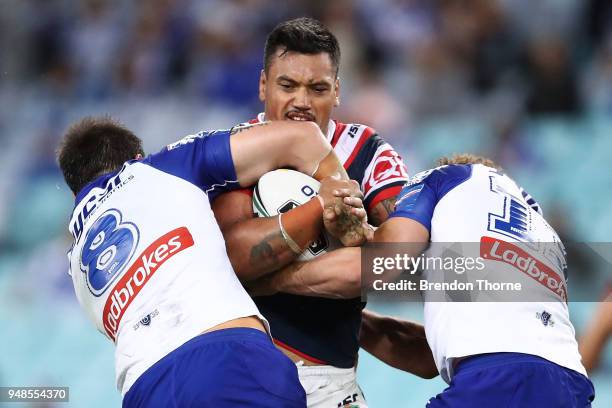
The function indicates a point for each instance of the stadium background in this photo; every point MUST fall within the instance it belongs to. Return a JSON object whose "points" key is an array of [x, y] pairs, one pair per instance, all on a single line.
{"points": [[527, 83]]}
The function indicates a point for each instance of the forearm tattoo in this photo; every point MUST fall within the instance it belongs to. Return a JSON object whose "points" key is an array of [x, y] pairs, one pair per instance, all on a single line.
{"points": [[264, 252], [380, 213]]}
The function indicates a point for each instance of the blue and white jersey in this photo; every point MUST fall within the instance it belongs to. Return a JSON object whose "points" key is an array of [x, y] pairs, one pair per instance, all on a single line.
{"points": [[148, 263], [479, 205]]}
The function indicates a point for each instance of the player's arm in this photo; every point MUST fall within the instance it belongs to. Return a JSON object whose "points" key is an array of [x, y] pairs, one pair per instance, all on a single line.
{"points": [[333, 275], [399, 343], [594, 339], [338, 274], [256, 246], [259, 148], [302, 146]]}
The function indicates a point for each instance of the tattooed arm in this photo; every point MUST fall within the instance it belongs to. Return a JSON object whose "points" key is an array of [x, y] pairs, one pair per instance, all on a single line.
{"points": [[381, 211], [255, 245], [259, 246]]}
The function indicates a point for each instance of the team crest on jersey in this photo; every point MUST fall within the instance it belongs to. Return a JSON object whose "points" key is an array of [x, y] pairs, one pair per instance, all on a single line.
{"points": [[514, 220], [545, 318], [146, 321], [387, 167]]}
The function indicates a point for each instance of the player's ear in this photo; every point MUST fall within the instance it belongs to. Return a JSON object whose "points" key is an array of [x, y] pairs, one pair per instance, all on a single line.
{"points": [[337, 92], [262, 86]]}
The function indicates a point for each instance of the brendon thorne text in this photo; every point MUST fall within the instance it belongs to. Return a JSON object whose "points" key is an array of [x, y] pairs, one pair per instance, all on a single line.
{"points": [[424, 285]]}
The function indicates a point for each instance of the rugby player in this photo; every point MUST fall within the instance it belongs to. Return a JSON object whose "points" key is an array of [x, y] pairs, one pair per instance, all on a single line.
{"points": [[492, 354], [149, 264], [300, 82]]}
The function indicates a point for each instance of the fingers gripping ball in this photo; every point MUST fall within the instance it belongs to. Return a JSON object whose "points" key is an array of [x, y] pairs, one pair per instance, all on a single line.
{"points": [[281, 190]]}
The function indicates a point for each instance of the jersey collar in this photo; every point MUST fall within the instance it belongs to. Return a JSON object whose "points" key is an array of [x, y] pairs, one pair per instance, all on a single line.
{"points": [[99, 182]]}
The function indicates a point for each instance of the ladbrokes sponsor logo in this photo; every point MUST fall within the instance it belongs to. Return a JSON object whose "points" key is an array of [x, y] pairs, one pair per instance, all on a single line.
{"points": [[502, 251], [154, 256]]}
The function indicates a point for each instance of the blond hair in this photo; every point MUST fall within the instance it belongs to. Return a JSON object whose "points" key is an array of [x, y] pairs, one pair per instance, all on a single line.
{"points": [[467, 158]]}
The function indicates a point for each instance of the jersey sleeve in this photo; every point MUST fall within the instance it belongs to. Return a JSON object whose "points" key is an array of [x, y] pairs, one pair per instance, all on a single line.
{"points": [[419, 196], [203, 159], [384, 171]]}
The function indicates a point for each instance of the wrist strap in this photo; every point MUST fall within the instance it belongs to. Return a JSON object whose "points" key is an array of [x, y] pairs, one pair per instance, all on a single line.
{"points": [[290, 242], [302, 225], [320, 199]]}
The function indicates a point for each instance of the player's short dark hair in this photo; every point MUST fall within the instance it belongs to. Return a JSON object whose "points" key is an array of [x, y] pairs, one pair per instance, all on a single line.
{"points": [[94, 146], [303, 35]]}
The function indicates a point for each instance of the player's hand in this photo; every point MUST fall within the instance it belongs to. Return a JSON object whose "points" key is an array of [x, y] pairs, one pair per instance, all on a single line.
{"points": [[344, 216]]}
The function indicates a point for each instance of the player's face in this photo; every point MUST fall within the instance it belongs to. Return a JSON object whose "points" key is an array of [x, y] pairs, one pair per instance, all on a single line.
{"points": [[300, 87]]}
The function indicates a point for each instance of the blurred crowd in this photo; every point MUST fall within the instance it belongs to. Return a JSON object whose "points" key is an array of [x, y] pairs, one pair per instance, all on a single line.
{"points": [[499, 59], [419, 58]]}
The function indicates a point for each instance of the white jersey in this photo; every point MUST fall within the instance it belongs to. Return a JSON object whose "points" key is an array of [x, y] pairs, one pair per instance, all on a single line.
{"points": [[479, 205], [148, 263]]}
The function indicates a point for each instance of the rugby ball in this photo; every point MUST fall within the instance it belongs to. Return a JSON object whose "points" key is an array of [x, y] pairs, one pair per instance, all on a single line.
{"points": [[279, 191]]}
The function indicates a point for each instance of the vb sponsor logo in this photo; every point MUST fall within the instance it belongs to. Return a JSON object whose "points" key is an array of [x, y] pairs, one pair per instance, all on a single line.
{"points": [[139, 273]]}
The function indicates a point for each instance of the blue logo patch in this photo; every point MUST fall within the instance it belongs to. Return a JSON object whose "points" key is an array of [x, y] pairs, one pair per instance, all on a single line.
{"points": [[146, 320], [513, 221], [108, 247], [545, 318]]}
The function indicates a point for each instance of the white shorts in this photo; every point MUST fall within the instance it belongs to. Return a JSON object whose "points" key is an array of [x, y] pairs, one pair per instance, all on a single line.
{"points": [[330, 387]]}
